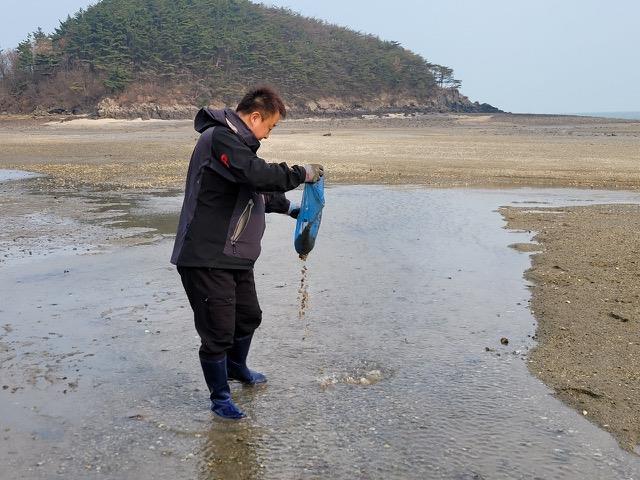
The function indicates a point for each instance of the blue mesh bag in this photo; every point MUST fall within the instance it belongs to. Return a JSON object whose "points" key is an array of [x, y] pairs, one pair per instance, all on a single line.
{"points": [[308, 224]]}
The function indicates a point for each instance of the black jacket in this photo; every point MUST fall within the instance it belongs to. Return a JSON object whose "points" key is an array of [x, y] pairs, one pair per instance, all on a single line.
{"points": [[228, 191]]}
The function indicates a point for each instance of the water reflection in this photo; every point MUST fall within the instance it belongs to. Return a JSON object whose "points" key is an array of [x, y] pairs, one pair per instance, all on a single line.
{"points": [[230, 450]]}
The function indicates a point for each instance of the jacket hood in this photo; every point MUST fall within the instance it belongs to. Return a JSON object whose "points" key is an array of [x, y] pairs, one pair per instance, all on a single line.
{"points": [[207, 118]]}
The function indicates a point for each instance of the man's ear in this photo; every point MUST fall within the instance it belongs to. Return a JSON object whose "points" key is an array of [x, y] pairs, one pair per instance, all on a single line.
{"points": [[255, 116]]}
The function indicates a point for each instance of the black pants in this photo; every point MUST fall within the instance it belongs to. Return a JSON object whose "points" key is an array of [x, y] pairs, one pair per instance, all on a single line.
{"points": [[225, 306]]}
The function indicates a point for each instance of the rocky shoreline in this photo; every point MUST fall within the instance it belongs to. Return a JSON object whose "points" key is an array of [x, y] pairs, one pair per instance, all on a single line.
{"points": [[146, 108]]}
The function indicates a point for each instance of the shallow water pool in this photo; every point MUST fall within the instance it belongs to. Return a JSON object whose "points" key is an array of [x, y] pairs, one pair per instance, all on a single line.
{"points": [[409, 289]]}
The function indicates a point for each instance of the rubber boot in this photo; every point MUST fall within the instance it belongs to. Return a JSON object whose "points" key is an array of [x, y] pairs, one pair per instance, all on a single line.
{"points": [[215, 374], [237, 363]]}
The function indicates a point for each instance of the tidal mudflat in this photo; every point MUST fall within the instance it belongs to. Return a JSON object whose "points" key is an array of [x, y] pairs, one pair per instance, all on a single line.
{"points": [[411, 289], [433, 150], [396, 369]]}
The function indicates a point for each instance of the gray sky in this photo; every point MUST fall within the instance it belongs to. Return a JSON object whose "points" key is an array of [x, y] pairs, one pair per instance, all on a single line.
{"points": [[541, 56]]}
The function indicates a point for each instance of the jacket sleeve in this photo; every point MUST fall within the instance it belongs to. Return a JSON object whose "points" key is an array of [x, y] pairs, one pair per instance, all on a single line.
{"points": [[275, 202], [246, 167]]}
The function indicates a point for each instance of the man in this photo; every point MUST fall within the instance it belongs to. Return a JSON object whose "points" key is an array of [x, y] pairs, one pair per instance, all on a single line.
{"points": [[228, 191]]}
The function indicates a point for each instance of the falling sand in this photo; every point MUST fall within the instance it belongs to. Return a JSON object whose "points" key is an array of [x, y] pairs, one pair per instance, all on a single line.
{"points": [[303, 296]]}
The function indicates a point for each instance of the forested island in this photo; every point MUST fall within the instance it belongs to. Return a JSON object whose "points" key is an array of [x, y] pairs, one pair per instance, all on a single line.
{"points": [[165, 58]]}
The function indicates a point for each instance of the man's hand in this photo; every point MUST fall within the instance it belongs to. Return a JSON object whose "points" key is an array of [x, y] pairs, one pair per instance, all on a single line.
{"points": [[314, 172], [294, 210]]}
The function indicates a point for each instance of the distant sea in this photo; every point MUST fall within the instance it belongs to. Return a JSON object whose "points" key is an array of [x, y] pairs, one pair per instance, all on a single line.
{"points": [[623, 115]]}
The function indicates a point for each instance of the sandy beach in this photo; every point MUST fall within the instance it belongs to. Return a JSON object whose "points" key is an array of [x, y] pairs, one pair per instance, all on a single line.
{"points": [[117, 185], [434, 150]]}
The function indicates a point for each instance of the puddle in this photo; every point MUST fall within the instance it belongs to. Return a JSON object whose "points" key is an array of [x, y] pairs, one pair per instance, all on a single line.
{"points": [[13, 175], [42, 218], [413, 290]]}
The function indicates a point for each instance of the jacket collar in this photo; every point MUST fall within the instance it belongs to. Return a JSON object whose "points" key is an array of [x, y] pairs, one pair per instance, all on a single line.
{"points": [[235, 123]]}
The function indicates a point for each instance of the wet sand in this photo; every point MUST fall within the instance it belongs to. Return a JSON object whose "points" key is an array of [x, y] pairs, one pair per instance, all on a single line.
{"points": [[582, 344], [586, 298]]}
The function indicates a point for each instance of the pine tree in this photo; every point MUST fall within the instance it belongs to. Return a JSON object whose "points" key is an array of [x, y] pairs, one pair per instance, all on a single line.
{"points": [[214, 49]]}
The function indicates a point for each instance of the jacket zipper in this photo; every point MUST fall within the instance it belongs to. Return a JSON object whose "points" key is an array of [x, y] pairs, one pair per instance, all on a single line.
{"points": [[241, 226]]}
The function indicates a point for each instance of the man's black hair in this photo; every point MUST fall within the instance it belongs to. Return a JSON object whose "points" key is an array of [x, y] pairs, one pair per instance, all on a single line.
{"points": [[263, 99]]}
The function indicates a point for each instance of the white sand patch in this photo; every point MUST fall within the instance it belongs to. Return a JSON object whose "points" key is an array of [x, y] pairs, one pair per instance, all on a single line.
{"points": [[474, 118], [104, 122]]}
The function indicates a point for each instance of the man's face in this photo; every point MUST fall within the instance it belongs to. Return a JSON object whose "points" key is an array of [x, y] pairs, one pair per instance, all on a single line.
{"points": [[262, 126]]}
